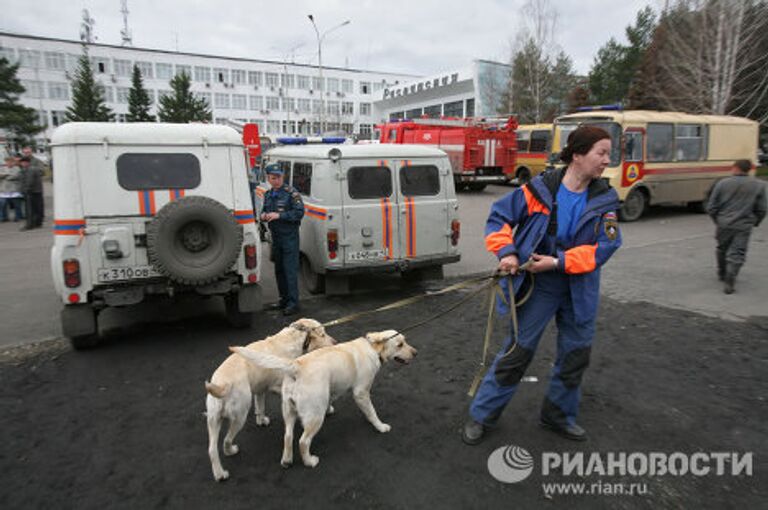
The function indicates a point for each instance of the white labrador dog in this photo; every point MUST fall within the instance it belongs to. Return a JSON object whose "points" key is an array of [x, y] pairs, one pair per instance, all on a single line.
{"points": [[237, 381], [314, 380]]}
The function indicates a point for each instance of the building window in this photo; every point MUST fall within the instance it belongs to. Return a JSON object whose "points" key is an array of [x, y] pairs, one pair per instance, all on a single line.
{"points": [[164, 71], [365, 87], [29, 58], [9, 54], [347, 108], [273, 126], [33, 89], [238, 76], [168, 93], [256, 102], [347, 128], [303, 82], [203, 74], [470, 108], [54, 60], [205, 96], [221, 75], [100, 65], [146, 69], [73, 61], [332, 107], [433, 111], [109, 93], [377, 86], [254, 78], [122, 94], [365, 108], [333, 84], [58, 90], [415, 113], [184, 69], [272, 79], [289, 104], [122, 67], [58, 118], [221, 100], [305, 105], [289, 127], [317, 106], [317, 83], [239, 101], [454, 109], [273, 103], [347, 86], [287, 81], [365, 129], [121, 117]]}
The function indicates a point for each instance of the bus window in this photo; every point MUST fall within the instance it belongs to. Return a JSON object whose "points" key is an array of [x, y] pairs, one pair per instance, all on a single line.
{"points": [[540, 141], [633, 146], [689, 142], [523, 138], [660, 142]]}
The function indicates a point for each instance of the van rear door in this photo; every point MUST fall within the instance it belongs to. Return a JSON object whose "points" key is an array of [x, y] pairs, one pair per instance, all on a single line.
{"points": [[370, 212], [423, 207]]}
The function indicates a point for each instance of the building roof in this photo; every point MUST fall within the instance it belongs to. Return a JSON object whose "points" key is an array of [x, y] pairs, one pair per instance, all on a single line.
{"points": [[144, 133]]}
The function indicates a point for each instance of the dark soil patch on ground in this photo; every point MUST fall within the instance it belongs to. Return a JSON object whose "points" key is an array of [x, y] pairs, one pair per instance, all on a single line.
{"points": [[122, 426]]}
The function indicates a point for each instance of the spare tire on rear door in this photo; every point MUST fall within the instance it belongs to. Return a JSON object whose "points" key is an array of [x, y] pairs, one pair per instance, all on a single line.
{"points": [[194, 240]]}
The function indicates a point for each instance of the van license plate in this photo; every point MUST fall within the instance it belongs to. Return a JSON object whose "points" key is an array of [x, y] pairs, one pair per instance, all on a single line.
{"points": [[114, 274], [367, 255]]}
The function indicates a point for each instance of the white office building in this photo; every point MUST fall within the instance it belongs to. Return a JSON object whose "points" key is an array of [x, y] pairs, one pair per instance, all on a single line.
{"points": [[282, 98]]}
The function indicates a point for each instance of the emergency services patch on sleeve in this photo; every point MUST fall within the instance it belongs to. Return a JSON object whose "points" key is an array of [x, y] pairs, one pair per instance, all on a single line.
{"points": [[611, 225]]}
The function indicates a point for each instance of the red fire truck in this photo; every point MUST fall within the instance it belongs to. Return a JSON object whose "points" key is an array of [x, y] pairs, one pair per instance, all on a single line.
{"points": [[481, 151]]}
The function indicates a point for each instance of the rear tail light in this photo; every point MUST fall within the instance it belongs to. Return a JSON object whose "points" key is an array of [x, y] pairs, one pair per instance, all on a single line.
{"points": [[250, 256], [455, 232], [333, 243], [72, 273]]}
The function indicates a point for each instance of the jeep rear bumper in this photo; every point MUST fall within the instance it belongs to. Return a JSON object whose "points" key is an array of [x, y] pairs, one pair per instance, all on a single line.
{"points": [[393, 265]]}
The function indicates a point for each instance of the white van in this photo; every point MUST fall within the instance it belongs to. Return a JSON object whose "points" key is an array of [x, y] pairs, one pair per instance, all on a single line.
{"points": [[371, 208], [146, 208]]}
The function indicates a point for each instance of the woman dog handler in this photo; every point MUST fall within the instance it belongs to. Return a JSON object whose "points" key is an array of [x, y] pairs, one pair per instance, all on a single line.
{"points": [[566, 225]]}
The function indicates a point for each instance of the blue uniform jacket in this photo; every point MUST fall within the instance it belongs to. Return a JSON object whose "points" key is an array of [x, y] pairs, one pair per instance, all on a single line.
{"points": [[519, 224], [286, 201]]}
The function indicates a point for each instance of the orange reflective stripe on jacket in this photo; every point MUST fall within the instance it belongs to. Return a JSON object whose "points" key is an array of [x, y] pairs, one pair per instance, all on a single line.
{"points": [[499, 239], [581, 259], [534, 206]]}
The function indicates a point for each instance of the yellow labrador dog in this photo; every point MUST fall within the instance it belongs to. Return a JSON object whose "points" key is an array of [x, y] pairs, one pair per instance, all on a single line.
{"points": [[315, 379], [236, 381]]}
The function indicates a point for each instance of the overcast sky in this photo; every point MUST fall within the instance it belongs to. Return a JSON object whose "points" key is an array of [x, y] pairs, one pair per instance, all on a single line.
{"points": [[420, 37]]}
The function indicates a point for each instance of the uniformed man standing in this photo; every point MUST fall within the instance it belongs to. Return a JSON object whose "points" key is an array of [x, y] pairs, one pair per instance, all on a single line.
{"points": [[282, 211], [736, 205]]}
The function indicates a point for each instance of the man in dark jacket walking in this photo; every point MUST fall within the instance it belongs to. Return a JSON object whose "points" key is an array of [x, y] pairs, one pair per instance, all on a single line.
{"points": [[736, 205], [32, 187]]}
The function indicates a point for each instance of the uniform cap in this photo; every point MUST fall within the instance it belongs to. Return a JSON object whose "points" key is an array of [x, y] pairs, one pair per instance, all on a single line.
{"points": [[274, 169]]}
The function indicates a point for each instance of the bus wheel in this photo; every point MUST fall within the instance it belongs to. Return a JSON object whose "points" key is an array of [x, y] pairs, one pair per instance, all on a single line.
{"points": [[523, 176], [633, 206], [697, 207]]}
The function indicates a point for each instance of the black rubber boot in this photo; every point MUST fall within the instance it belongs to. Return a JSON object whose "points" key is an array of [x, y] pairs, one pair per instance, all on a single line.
{"points": [[473, 432]]}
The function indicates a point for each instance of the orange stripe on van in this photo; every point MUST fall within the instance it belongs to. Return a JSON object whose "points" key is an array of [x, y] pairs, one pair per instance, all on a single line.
{"points": [[386, 226], [410, 221]]}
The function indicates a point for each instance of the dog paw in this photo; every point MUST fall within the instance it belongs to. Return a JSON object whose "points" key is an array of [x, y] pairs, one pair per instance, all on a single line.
{"points": [[262, 421], [383, 428], [312, 461], [286, 463], [230, 450], [220, 477], [330, 410]]}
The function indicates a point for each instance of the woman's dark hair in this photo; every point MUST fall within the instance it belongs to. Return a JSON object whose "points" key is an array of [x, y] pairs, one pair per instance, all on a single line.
{"points": [[581, 140]]}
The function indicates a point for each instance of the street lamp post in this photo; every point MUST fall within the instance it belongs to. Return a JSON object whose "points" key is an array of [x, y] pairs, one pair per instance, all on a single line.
{"points": [[320, 65]]}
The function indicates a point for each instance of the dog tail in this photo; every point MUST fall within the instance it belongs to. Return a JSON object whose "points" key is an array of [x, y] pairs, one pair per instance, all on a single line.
{"points": [[266, 360], [217, 391]]}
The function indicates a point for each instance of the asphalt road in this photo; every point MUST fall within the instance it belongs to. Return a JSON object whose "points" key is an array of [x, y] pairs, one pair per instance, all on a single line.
{"points": [[667, 259]]}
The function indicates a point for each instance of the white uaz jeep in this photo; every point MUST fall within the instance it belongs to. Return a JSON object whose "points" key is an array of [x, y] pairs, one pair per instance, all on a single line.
{"points": [[144, 209]]}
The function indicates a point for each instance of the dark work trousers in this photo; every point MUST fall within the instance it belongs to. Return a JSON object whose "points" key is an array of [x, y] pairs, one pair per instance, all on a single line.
{"points": [[731, 249], [551, 298], [285, 255], [34, 206]]}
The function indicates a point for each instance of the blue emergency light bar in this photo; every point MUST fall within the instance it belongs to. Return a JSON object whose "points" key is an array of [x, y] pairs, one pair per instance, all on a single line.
{"points": [[604, 107], [303, 140]]}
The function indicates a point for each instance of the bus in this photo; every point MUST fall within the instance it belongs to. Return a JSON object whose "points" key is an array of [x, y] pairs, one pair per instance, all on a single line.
{"points": [[663, 157], [533, 147]]}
